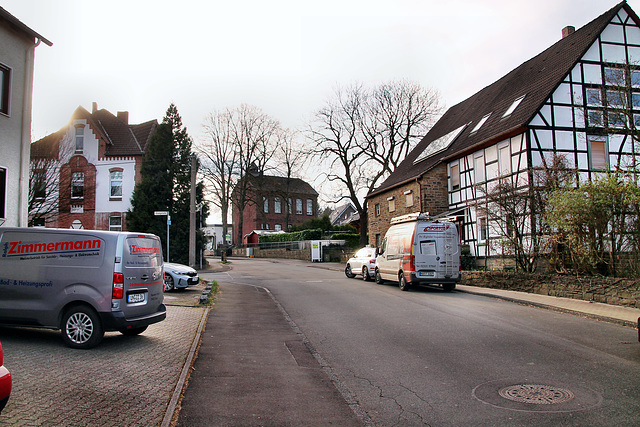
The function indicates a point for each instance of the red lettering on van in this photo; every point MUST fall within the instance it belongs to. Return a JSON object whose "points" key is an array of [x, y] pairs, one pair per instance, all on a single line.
{"points": [[135, 249], [437, 228], [19, 248]]}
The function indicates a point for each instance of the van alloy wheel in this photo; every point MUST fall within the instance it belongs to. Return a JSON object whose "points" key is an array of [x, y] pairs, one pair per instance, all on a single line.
{"points": [[402, 283], [379, 280], [81, 328]]}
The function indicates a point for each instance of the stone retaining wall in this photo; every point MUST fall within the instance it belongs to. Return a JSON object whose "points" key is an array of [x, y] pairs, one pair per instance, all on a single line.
{"points": [[616, 291]]}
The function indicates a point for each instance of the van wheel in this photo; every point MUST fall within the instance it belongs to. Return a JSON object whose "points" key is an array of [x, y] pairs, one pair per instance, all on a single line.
{"points": [[133, 331], [365, 274], [448, 287], [402, 283], [81, 328], [379, 280], [348, 272]]}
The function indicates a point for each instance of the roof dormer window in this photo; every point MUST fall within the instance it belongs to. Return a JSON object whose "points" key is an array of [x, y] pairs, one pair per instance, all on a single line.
{"points": [[513, 107], [480, 123], [440, 144]]}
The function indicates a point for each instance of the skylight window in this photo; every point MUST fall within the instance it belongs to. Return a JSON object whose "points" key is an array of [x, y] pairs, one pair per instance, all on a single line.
{"points": [[480, 123], [440, 144], [513, 106]]}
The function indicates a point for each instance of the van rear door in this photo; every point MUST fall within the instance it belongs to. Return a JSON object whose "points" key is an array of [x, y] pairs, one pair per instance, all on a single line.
{"points": [[436, 250], [142, 271]]}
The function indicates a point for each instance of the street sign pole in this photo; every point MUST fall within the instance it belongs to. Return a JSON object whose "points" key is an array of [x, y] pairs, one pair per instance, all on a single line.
{"points": [[165, 213]]}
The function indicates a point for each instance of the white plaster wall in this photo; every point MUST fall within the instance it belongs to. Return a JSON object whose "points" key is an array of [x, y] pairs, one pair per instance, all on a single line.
{"points": [[103, 186]]}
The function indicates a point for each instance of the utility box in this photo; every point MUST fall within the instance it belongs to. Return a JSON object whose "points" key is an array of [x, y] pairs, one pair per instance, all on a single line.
{"points": [[316, 251]]}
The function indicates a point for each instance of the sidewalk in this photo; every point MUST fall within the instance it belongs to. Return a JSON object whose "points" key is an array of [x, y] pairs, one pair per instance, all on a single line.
{"points": [[254, 368]]}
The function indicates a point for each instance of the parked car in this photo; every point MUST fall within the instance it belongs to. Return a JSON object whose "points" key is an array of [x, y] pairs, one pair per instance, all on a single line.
{"points": [[419, 251], [178, 276], [363, 262], [83, 282], [5, 382]]}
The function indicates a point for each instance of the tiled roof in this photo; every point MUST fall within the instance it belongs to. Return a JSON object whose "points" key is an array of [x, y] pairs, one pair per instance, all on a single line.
{"points": [[279, 184], [536, 79], [122, 139]]}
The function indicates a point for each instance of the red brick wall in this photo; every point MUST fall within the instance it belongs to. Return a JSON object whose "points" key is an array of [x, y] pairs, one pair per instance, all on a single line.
{"points": [[88, 202]]}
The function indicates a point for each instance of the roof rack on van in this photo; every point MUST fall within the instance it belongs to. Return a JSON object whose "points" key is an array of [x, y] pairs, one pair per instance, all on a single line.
{"points": [[416, 216]]}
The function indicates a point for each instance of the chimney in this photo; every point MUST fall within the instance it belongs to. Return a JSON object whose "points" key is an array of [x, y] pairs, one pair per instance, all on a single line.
{"points": [[124, 116], [568, 30], [94, 107]]}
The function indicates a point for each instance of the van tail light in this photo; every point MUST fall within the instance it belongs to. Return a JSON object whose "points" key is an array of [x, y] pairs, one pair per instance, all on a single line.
{"points": [[412, 262], [163, 280], [118, 286]]}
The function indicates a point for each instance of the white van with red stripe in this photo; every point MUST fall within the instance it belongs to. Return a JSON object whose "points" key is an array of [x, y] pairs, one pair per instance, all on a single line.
{"points": [[82, 282], [417, 250]]}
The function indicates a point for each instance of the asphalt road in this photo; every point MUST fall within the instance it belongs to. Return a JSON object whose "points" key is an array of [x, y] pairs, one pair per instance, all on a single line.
{"points": [[427, 357]]}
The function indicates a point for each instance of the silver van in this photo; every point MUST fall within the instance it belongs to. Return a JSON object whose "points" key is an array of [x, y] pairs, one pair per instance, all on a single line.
{"points": [[417, 250], [83, 282]]}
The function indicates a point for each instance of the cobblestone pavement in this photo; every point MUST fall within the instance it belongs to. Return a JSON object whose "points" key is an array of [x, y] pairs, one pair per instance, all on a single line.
{"points": [[125, 381]]}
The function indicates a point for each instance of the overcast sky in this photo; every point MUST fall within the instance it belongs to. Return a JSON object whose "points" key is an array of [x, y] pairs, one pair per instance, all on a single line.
{"points": [[282, 56]]}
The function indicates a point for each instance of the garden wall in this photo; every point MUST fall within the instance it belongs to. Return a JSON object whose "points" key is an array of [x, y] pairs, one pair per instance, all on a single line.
{"points": [[616, 291]]}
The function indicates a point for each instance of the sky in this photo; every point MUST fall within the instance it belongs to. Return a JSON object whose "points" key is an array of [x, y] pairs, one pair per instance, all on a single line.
{"points": [[283, 56]]}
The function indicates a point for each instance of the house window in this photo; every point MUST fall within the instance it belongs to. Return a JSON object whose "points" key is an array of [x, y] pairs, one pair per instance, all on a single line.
{"points": [[616, 119], [79, 139], [299, 206], [278, 227], [597, 152], [309, 207], [483, 230], [480, 123], [595, 118], [408, 198], [378, 240], [5, 89], [594, 97], [265, 203], [377, 209], [615, 98], [3, 192], [277, 205], [39, 185], [289, 206], [614, 76], [513, 107], [115, 223], [115, 182], [77, 185], [392, 204], [455, 177]]}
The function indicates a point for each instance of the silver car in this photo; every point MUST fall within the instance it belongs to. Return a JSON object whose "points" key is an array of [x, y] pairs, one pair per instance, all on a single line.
{"points": [[363, 262], [178, 276]]}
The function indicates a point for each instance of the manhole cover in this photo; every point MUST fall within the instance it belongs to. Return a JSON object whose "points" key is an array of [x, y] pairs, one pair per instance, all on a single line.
{"points": [[536, 394]]}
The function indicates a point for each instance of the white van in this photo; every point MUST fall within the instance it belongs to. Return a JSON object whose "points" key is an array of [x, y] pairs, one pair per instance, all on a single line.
{"points": [[417, 250], [80, 281]]}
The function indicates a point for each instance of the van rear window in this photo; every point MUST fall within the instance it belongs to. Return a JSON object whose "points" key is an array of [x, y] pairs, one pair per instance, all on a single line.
{"points": [[143, 252]]}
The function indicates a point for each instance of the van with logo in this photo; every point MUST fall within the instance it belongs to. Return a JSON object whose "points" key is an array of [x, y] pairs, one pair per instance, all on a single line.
{"points": [[83, 282], [419, 251]]}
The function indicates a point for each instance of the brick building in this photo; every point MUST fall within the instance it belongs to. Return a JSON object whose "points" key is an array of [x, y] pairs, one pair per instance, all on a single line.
{"points": [[276, 204], [95, 164]]}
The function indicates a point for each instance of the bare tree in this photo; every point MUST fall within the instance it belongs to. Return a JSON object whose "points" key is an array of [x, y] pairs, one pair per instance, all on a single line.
{"points": [[218, 159], [44, 179], [363, 134], [240, 144]]}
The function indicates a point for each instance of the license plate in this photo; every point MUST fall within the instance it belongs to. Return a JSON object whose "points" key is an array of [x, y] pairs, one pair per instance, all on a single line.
{"points": [[427, 273], [132, 298]]}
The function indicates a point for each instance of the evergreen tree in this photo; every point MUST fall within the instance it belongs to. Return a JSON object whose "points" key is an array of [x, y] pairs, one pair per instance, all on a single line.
{"points": [[165, 185], [155, 190]]}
